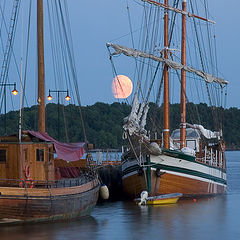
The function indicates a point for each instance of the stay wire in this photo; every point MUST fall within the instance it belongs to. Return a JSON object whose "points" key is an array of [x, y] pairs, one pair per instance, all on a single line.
{"points": [[26, 63], [5, 26], [74, 74]]}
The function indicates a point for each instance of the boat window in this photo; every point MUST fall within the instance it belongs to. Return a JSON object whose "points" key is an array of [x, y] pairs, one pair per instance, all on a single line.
{"points": [[176, 134], [191, 144], [40, 155], [190, 133], [3, 156]]}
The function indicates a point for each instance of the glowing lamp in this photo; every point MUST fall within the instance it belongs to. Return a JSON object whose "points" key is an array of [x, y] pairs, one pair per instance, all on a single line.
{"points": [[67, 98], [14, 91], [49, 97]]}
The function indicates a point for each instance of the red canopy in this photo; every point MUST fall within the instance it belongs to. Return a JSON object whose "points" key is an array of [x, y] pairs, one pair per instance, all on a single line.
{"points": [[65, 151]]}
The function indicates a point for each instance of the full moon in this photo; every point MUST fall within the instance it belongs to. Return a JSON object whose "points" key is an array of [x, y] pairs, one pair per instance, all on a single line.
{"points": [[122, 86]]}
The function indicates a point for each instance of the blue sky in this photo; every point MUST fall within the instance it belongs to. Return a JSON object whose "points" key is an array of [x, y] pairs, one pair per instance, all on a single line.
{"points": [[94, 23], [102, 21]]}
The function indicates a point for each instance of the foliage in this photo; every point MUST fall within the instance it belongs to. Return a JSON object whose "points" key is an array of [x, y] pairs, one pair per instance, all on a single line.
{"points": [[103, 122]]}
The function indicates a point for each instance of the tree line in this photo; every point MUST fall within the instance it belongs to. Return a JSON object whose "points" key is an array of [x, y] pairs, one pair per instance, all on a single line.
{"points": [[103, 122]]}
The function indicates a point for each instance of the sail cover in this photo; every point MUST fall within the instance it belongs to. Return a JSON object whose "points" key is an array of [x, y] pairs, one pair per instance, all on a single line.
{"points": [[207, 133], [66, 151], [175, 65]]}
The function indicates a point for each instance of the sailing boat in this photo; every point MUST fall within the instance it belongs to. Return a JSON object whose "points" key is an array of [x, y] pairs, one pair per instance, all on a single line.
{"points": [[35, 186], [191, 160]]}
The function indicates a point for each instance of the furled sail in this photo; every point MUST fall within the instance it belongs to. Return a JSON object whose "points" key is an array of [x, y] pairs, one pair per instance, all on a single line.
{"points": [[131, 122], [205, 132], [175, 65], [144, 118], [136, 121]]}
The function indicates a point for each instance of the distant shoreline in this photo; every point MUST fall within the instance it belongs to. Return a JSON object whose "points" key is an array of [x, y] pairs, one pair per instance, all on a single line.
{"points": [[232, 149]]}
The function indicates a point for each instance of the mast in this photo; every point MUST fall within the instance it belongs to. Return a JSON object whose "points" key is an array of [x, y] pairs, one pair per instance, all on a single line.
{"points": [[183, 79], [41, 80], [166, 82]]}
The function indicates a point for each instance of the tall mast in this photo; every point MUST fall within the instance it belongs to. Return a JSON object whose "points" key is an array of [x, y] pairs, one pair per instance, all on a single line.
{"points": [[166, 82], [183, 79], [41, 80]]}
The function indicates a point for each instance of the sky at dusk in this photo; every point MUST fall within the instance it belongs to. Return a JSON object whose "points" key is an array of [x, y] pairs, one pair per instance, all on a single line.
{"points": [[93, 23], [102, 21]]}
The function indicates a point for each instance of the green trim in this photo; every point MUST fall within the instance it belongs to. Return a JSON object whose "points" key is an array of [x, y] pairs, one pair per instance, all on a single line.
{"points": [[177, 169], [149, 182], [178, 154]]}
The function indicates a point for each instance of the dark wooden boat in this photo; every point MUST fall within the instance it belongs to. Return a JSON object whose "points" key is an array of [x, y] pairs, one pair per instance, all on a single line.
{"points": [[35, 186]]}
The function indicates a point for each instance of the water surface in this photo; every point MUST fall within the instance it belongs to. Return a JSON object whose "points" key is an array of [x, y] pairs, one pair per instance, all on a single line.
{"points": [[209, 218]]}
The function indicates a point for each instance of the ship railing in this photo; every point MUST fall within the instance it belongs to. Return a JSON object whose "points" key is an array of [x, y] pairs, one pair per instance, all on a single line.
{"points": [[104, 163], [26, 183], [105, 157], [211, 157]]}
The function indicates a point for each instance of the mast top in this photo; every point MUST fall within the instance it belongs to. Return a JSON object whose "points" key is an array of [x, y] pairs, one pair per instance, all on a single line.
{"points": [[178, 10]]}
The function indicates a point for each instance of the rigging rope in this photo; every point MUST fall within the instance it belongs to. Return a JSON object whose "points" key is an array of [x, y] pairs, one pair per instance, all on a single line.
{"points": [[64, 61]]}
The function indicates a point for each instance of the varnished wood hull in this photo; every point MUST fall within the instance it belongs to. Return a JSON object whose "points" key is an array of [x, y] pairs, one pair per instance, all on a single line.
{"points": [[27, 205], [190, 178]]}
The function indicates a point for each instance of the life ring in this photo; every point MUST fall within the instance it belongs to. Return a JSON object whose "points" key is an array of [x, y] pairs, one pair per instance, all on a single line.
{"points": [[27, 171], [140, 171], [30, 182]]}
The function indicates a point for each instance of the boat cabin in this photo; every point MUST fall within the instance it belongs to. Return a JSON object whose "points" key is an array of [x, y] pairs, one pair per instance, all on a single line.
{"points": [[30, 158], [193, 139]]}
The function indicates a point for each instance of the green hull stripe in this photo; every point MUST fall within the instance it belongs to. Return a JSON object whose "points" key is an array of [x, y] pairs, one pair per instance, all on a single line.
{"points": [[178, 170], [177, 154]]}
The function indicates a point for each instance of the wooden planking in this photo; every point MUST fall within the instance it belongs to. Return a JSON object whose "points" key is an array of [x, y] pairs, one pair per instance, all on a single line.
{"points": [[133, 185], [39, 192], [62, 163], [39, 170], [20, 155], [187, 186], [51, 208], [10, 168]]}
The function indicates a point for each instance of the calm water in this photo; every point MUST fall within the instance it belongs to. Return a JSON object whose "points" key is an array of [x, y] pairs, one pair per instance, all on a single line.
{"points": [[212, 218]]}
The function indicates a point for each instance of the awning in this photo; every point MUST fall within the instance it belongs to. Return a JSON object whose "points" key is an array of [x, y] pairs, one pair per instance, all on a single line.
{"points": [[66, 151]]}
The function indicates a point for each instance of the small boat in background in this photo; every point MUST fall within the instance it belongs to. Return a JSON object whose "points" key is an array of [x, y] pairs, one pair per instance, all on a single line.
{"points": [[158, 200]]}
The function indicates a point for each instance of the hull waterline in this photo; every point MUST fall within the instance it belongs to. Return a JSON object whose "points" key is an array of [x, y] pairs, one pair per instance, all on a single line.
{"points": [[19, 205], [190, 178]]}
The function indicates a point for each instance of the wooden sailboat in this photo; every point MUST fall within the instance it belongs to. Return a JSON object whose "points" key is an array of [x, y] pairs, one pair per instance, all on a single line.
{"points": [[192, 160], [35, 186]]}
